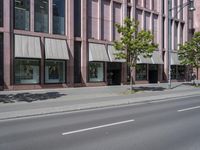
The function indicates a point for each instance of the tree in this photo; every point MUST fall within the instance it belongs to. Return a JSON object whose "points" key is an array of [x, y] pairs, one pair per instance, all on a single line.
{"points": [[133, 43], [189, 52]]}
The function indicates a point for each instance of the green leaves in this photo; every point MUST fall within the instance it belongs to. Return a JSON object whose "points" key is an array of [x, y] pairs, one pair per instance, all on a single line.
{"points": [[133, 43], [189, 53]]}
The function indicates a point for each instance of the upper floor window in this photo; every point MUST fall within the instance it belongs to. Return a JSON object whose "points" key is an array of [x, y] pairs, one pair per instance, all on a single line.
{"points": [[59, 16], [77, 18], [1, 13], [42, 15], [22, 14], [129, 12]]}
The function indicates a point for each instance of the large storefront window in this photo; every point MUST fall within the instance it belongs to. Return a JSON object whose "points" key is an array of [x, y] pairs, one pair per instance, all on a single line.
{"points": [[141, 72], [178, 72], [27, 71], [173, 72], [22, 14], [55, 71], [181, 72], [1, 13], [42, 16], [96, 71], [58, 16]]}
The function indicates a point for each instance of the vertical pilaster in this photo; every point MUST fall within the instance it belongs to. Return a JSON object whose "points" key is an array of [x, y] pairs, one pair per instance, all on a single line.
{"points": [[51, 16], [8, 44], [84, 50], [112, 21], [70, 40], [99, 19], [42, 62], [166, 64], [32, 9]]}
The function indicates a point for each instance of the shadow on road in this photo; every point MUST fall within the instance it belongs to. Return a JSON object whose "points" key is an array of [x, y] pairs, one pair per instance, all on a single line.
{"points": [[28, 97]]}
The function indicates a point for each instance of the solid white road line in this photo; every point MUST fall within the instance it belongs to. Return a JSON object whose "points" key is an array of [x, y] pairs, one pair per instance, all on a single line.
{"points": [[187, 109], [97, 127]]}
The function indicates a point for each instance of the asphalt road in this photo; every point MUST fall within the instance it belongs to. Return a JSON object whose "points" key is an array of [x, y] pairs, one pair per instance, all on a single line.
{"points": [[169, 125]]}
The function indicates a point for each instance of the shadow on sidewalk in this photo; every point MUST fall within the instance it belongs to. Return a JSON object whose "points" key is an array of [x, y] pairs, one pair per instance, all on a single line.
{"points": [[141, 88], [28, 97]]}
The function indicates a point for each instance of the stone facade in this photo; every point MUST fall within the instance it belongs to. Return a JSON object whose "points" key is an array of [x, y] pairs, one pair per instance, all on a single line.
{"points": [[97, 25]]}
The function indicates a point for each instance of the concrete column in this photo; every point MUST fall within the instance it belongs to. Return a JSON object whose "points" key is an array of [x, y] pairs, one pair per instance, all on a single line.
{"points": [[7, 47], [84, 48], [166, 43], [32, 15], [124, 10], [112, 21], [51, 16], [99, 19], [160, 36], [70, 41], [42, 62]]}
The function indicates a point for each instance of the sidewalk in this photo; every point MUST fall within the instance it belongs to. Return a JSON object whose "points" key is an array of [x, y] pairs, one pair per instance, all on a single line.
{"points": [[15, 104]]}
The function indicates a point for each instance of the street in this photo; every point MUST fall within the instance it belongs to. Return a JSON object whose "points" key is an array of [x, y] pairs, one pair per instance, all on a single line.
{"points": [[168, 125]]}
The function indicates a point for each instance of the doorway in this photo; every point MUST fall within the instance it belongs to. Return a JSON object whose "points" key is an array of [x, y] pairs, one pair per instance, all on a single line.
{"points": [[114, 73], [153, 73]]}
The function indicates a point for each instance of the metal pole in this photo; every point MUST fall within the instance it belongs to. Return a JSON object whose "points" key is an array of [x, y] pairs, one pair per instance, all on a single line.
{"points": [[169, 42]]}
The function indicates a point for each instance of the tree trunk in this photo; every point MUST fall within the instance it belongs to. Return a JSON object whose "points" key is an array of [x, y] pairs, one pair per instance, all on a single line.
{"points": [[131, 78]]}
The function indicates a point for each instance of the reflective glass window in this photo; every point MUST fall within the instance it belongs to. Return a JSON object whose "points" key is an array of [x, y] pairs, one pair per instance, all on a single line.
{"points": [[42, 16], [1, 13], [77, 18], [96, 71], [141, 72], [55, 71], [58, 16], [27, 71], [22, 14]]}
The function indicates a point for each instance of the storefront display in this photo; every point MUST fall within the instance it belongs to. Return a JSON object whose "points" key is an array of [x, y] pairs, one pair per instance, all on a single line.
{"points": [[27, 71], [96, 71], [141, 72], [54, 71]]}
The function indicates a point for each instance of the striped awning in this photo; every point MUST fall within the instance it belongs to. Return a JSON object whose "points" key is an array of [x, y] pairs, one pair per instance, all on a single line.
{"points": [[111, 53], [97, 52], [143, 60], [27, 47], [157, 58], [56, 49]]}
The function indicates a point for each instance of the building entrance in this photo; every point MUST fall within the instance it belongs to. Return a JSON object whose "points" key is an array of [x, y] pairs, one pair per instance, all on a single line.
{"points": [[153, 73], [114, 73]]}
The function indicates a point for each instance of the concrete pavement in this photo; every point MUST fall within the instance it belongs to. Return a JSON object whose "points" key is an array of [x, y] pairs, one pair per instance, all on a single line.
{"points": [[158, 126], [15, 104]]}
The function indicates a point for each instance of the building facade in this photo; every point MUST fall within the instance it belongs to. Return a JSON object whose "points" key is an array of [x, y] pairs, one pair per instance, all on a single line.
{"points": [[195, 25], [67, 43]]}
